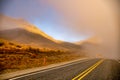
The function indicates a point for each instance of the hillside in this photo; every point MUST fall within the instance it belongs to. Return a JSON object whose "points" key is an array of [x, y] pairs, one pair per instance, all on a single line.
{"points": [[92, 46], [7, 22], [14, 56], [71, 46], [25, 37], [21, 31], [91, 40]]}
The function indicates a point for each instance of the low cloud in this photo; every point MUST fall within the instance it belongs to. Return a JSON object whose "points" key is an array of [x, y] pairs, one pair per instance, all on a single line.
{"points": [[92, 18]]}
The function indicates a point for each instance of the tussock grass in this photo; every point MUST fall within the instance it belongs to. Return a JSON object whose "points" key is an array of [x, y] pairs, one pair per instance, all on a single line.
{"points": [[15, 56]]}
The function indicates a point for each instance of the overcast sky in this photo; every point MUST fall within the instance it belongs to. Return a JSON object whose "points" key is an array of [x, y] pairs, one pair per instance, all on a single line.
{"points": [[69, 20]]}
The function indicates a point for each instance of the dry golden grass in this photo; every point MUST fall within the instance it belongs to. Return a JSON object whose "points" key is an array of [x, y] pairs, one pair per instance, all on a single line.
{"points": [[17, 57]]}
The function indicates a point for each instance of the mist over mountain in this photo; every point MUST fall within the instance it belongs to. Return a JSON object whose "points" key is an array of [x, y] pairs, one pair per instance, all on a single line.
{"points": [[21, 31]]}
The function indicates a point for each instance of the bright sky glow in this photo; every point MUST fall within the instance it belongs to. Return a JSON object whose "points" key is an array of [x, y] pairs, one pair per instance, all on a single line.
{"points": [[42, 15]]}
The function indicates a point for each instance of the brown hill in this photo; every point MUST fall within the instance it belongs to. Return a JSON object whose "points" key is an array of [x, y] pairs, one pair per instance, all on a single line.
{"points": [[25, 37], [21, 31]]}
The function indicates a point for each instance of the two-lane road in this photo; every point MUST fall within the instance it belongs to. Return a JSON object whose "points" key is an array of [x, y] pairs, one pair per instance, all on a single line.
{"points": [[94, 69]]}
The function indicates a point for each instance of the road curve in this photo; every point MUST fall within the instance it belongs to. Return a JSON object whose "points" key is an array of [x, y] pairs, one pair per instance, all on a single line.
{"points": [[94, 69]]}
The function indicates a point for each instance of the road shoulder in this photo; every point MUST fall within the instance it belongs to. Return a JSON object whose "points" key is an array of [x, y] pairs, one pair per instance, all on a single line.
{"points": [[33, 70]]}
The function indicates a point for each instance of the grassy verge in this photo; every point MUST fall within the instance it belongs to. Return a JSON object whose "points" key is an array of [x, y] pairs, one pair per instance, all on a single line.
{"points": [[15, 57]]}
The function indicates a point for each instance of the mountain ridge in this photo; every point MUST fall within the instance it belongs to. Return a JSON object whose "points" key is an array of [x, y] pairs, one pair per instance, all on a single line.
{"points": [[22, 31], [21, 23]]}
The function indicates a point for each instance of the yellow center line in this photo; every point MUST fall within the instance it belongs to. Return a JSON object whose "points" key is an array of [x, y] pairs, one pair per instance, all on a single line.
{"points": [[87, 70], [90, 70]]}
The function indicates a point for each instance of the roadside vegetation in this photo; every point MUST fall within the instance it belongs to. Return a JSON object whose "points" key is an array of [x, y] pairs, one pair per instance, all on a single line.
{"points": [[15, 56]]}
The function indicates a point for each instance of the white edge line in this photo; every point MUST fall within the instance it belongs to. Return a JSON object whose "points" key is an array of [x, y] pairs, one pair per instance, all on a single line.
{"points": [[49, 69]]}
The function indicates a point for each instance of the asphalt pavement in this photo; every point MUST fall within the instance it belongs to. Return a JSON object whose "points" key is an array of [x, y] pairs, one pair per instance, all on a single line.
{"points": [[93, 69]]}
